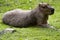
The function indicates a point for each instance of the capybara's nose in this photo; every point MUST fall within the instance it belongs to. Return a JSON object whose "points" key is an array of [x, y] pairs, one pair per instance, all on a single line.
{"points": [[52, 9]]}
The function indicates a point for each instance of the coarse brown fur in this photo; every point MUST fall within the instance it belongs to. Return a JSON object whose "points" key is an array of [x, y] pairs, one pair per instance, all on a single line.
{"points": [[24, 18]]}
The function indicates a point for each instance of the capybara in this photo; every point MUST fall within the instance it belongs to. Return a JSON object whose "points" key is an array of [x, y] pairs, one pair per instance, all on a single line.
{"points": [[23, 18]]}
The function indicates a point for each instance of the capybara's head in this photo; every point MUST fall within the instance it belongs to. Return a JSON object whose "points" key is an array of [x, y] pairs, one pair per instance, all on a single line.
{"points": [[46, 8]]}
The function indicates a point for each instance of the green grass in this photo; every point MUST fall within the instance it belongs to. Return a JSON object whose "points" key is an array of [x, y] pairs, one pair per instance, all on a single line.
{"points": [[30, 33]]}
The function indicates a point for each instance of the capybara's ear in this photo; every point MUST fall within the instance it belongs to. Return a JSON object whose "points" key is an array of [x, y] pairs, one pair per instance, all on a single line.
{"points": [[40, 4]]}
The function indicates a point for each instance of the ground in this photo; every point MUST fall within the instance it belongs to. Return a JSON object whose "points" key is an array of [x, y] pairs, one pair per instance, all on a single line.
{"points": [[33, 32]]}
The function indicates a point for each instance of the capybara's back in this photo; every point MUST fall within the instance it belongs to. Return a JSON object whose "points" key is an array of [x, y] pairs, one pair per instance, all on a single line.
{"points": [[17, 17]]}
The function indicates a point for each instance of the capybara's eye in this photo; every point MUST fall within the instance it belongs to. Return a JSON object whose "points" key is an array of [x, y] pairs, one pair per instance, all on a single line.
{"points": [[44, 7]]}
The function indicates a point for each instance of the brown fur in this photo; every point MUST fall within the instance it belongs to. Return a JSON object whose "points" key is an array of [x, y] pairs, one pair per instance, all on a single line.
{"points": [[22, 18]]}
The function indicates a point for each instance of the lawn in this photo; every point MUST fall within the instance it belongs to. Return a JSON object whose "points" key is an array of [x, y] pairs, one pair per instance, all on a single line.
{"points": [[30, 33]]}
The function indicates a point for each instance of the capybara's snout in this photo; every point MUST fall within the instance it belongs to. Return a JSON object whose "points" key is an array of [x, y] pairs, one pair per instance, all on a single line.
{"points": [[52, 10]]}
